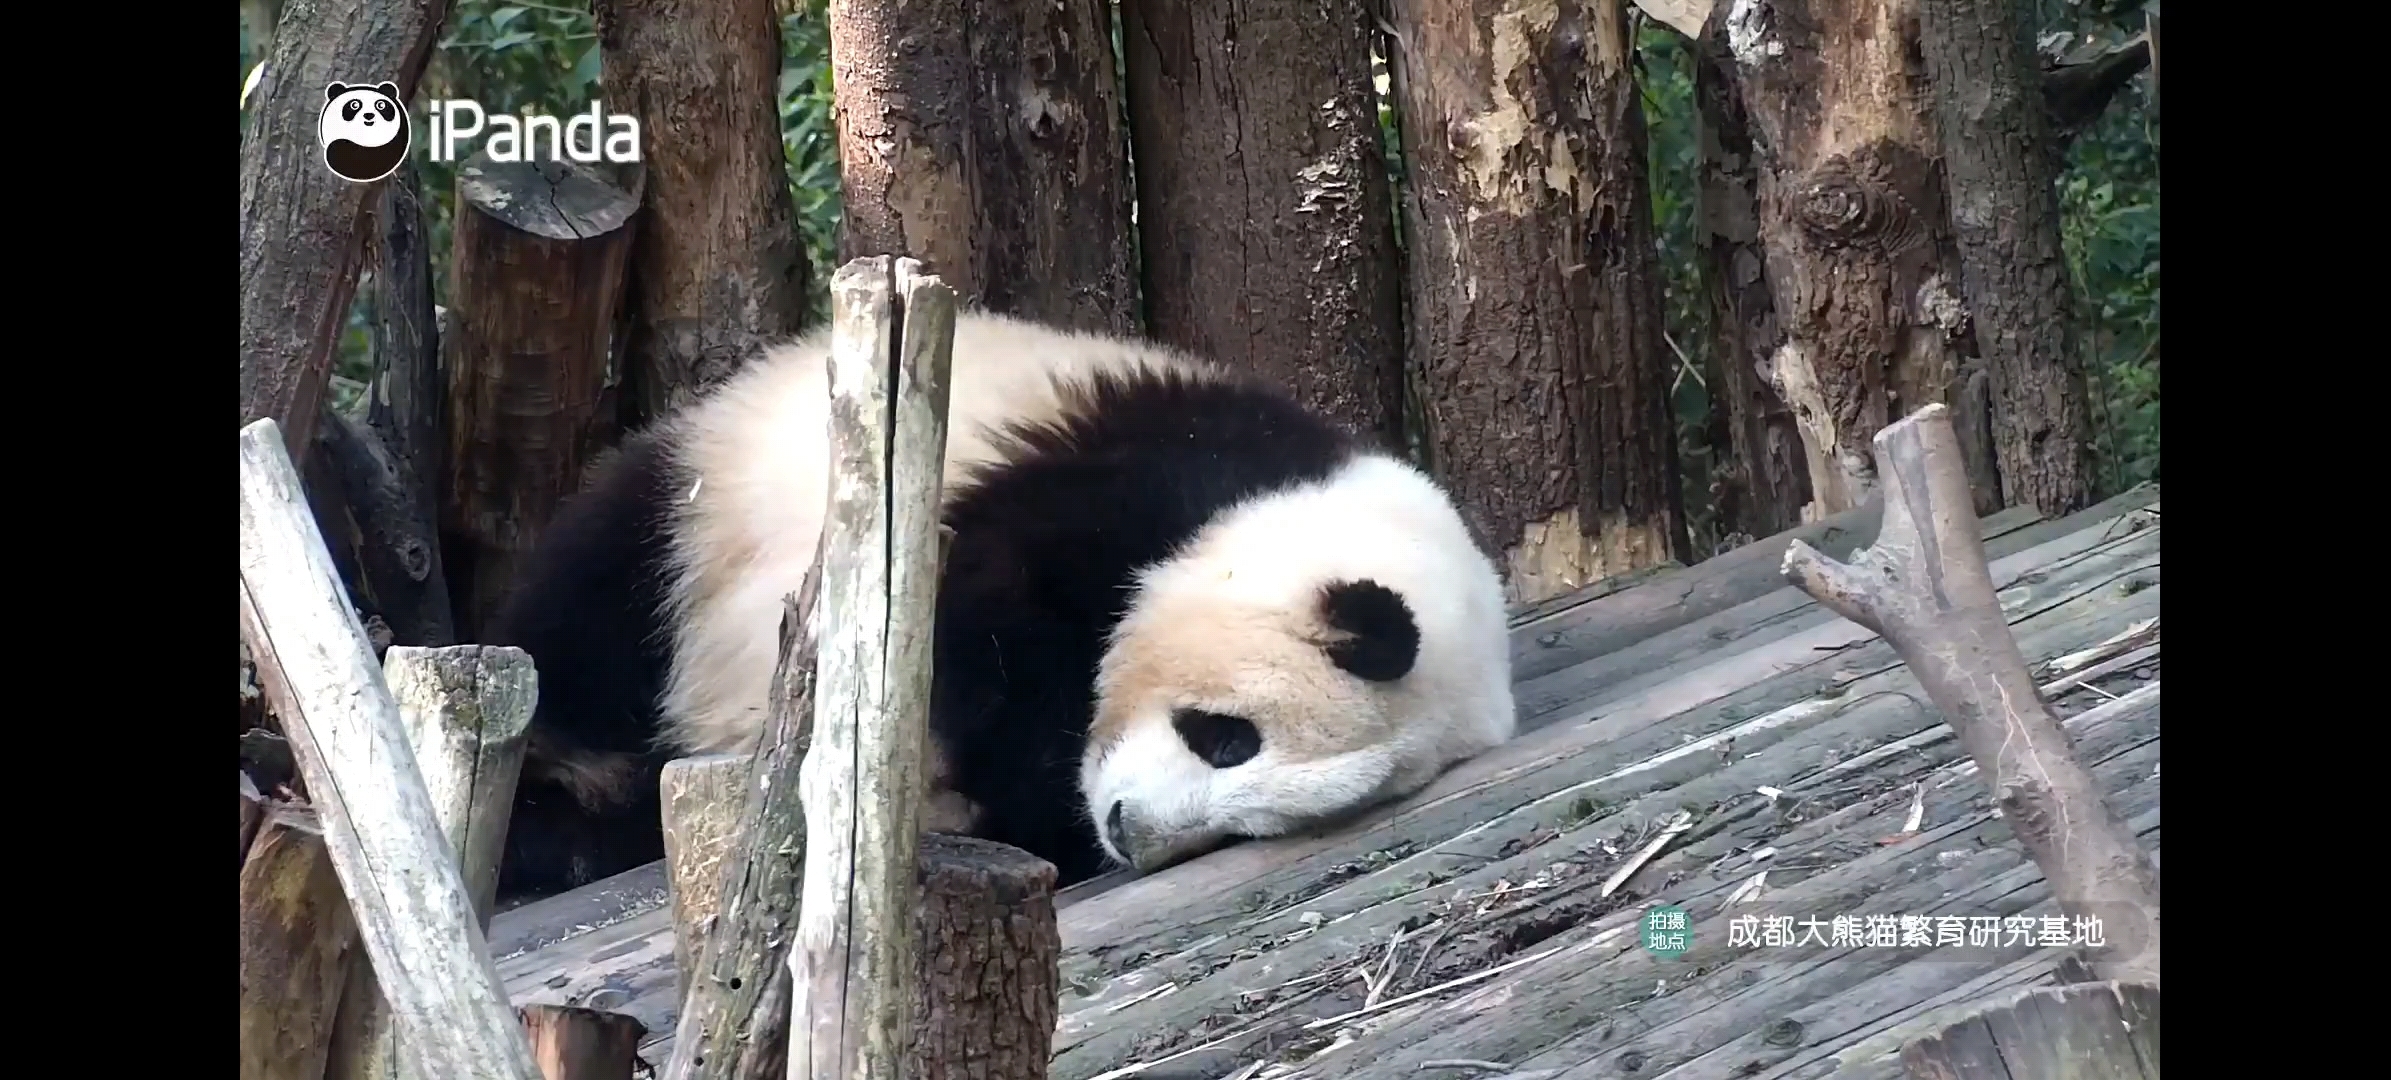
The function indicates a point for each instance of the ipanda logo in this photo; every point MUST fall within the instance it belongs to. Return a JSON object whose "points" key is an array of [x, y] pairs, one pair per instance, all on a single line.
{"points": [[364, 131], [585, 138]]}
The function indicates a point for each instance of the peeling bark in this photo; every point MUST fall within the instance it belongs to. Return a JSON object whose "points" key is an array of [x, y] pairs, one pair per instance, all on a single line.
{"points": [[1536, 304], [1859, 250], [1267, 239]]}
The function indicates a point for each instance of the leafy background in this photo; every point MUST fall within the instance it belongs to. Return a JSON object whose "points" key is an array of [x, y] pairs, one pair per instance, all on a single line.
{"points": [[510, 54]]}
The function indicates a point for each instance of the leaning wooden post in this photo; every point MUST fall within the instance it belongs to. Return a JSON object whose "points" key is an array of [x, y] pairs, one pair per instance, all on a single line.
{"points": [[856, 955], [413, 913], [734, 1019], [1924, 586], [466, 709]]}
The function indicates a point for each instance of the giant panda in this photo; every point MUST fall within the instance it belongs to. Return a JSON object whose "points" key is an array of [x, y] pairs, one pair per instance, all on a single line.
{"points": [[1178, 609]]}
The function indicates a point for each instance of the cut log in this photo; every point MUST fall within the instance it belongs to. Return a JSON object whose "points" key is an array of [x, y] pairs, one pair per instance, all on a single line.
{"points": [[734, 1020], [1535, 321], [718, 271], [2097, 1029], [536, 269], [990, 963], [573, 1043], [466, 709], [1924, 586], [408, 897], [863, 781], [2001, 170], [296, 939], [1853, 222], [300, 222], [985, 141], [703, 797], [1264, 221]]}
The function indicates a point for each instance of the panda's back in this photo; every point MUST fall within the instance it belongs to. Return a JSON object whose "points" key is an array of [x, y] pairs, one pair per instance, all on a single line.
{"points": [[751, 465]]}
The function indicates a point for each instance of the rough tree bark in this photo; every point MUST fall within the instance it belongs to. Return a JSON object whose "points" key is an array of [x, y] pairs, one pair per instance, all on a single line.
{"points": [[300, 223], [408, 402], [2002, 181], [1263, 218], [985, 141], [536, 266], [1860, 260], [297, 938], [1924, 587], [1536, 305], [385, 545], [719, 271], [1760, 482]]}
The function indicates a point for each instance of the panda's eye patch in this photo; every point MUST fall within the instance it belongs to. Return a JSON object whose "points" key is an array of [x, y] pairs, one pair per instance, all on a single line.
{"points": [[384, 108], [348, 109], [1223, 741]]}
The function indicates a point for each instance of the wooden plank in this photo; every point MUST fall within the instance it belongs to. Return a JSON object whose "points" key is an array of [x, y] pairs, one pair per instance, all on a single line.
{"points": [[413, 913], [467, 709], [855, 959], [1132, 995], [599, 904], [2087, 1031], [1763, 619], [1165, 911]]}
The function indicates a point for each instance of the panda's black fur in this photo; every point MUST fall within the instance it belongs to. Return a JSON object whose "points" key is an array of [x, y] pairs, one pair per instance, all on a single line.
{"points": [[1046, 543]]}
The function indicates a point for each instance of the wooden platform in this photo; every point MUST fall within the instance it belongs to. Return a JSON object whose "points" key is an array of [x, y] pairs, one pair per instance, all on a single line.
{"points": [[1476, 929]]}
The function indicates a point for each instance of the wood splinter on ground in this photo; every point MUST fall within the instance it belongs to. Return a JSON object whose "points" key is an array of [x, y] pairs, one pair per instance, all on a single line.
{"points": [[1924, 586]]}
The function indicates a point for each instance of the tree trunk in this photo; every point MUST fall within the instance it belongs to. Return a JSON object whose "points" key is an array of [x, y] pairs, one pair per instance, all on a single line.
{"points": [[1997, 148], [985, 141], [1860, 261], [536, 269], [719, 272], [296, 939], [407, 405], [1760, 482], [1263, 221], [300, 223], [1536, 299]]}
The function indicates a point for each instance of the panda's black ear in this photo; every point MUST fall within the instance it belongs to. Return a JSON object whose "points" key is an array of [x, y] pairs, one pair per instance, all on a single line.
{"points": [[389, 90], [1379, 640], [333, 91]]}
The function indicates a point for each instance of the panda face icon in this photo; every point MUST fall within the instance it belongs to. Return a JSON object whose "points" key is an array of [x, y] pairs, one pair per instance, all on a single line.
{"points": [[364, 131]]}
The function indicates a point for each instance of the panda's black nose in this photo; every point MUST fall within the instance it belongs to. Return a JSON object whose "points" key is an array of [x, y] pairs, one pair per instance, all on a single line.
{"points": [[1112, 829]]}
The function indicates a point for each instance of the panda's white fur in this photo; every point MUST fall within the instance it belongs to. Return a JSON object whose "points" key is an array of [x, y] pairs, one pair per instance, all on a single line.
{"points": [[1178, 608], [755, 457], [1225, 626]]}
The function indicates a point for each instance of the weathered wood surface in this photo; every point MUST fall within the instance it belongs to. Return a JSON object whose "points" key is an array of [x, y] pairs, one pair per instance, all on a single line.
{"points": [[573, 1043], [1925, 587], [414, 916], [865, 775], [703, 797], [2084, 1031], [296, 938], [466, 709], [1819, 692]]}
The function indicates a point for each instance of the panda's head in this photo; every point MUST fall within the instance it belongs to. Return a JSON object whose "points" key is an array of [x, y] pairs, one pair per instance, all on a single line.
{"points": [[368, 116], [1307, 655]]}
